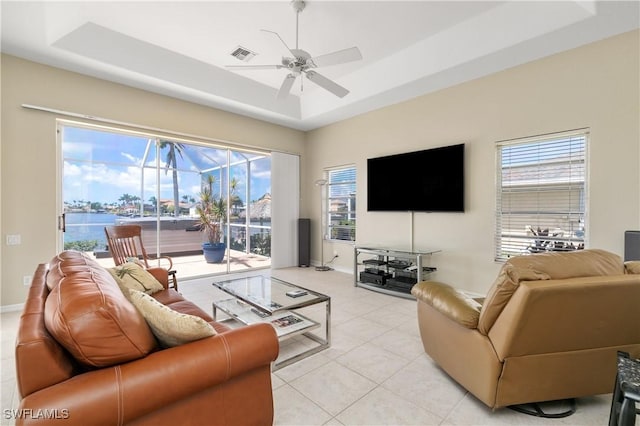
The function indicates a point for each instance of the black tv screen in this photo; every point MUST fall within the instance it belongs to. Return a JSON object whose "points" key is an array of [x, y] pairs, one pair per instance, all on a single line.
{"points": [[431, 180]]}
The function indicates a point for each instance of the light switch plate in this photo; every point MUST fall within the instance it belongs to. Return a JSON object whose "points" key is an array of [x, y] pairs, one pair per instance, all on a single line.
{"points": [[14, 240]]}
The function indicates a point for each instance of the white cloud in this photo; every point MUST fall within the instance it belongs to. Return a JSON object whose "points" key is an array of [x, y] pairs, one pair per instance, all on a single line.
{"points": [[133, 159]]}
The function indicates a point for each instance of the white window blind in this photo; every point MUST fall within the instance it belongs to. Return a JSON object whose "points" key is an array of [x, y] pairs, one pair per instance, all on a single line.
{"points": [[541, 194], [341, 203]]}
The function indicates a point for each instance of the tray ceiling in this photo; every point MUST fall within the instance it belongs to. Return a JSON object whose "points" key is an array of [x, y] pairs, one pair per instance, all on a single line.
{"points": [[409, 48]]}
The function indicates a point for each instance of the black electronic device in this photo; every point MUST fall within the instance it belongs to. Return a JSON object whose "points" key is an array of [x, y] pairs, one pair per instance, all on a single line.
{"points": [[304, 242], [379, 278], [631, 245], [430, 180], [404, 284]]}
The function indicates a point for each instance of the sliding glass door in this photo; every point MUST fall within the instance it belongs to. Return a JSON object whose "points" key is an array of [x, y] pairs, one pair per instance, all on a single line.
{"points": [[112, 176]]}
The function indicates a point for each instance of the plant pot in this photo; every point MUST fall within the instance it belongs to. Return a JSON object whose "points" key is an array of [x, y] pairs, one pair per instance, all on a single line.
{"points": [[214, 253]]}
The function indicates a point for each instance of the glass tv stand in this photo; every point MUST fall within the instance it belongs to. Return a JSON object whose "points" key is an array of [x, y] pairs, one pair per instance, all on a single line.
{"points": [[391, 271]]}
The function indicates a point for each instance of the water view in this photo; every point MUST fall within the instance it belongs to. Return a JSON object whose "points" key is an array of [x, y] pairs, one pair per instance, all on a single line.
{"points": [[88, 227], [85, 231], [113, 178]]}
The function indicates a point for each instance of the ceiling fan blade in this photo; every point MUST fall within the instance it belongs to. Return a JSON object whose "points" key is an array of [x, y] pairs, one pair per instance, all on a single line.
{"points": [[327, 84], [285, 88], [254, 67], [339, 57], [273, 33]]}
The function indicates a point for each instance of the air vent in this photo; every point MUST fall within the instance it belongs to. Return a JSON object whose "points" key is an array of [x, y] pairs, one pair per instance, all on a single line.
{"points": [[243, 54]]}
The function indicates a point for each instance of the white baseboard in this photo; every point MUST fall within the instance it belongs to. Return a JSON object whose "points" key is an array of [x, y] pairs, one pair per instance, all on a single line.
{"points": [[337, 269], [344, 270]]}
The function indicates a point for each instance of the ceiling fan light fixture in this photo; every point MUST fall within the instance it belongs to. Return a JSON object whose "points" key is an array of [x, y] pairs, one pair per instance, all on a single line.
{"points": [[301, 62], [298, 5]]}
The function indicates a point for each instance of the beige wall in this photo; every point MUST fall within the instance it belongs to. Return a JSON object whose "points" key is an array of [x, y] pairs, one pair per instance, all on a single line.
{"points": [[595, 86], [29, 149]]}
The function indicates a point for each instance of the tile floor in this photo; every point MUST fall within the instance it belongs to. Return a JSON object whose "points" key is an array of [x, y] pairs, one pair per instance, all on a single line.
{"points": [[374, 373]]}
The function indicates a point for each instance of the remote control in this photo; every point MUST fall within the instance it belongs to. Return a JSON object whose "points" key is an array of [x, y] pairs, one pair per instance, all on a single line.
{"points": [[259, 313], [296, 293]]}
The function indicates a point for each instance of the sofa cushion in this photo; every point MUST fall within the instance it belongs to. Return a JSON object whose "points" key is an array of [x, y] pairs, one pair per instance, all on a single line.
{"points": [[172, 328], [131, 276], [632, 267], [66, 263], [88, 314]]}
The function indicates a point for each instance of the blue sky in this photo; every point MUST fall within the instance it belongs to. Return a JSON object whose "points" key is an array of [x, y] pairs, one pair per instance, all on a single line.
{"points": [[102, 166]]}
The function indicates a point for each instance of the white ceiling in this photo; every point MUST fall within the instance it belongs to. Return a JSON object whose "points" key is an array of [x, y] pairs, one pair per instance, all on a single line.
{"points": [[409, 48]]}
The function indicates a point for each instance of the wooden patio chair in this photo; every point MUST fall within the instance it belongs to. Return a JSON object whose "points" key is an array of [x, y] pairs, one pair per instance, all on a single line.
{"points": [[125, 243]]}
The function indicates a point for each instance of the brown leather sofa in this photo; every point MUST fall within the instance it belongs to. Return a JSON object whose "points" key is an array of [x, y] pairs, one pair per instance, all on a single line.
{"points": [[549, 328], [118, 373]]}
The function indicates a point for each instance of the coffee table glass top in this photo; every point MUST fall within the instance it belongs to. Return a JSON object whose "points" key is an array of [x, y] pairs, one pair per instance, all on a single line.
{"points": [[270, 294]]}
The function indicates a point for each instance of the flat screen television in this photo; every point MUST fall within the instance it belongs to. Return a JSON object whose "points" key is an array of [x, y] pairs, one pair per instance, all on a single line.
{"points": [[431, 180]]}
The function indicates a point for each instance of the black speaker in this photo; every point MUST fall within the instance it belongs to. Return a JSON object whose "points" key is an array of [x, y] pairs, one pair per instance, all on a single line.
{"points": [[631, 245], [304, 242]]}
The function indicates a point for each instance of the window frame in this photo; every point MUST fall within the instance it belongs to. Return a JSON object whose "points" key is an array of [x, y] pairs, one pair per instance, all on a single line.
{"points": [[331, 231], [153, 159], [566, 155]]}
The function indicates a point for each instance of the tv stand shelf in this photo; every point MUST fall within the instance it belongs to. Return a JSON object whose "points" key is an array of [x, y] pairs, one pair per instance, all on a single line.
{"points": [[390, 271]]}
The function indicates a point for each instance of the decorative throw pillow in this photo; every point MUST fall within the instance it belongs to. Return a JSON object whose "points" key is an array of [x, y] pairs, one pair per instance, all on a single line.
{"points": [[131, 276], [170, 327], [632, 267]]}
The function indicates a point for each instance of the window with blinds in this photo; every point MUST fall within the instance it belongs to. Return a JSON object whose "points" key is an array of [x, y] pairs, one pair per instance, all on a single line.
{"points": [[541, 194], [341, 204]]}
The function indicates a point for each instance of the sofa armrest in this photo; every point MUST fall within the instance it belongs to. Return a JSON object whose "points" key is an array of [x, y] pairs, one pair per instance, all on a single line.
{"points": [[123, 393], [448, 301], [160, 274]]}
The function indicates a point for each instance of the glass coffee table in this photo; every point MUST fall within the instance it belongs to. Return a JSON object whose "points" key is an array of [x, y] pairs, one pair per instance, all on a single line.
{"points": [[279, 303]]}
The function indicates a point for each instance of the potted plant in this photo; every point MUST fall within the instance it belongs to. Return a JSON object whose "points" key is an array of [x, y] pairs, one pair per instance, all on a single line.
{"points": [[212, 213]]}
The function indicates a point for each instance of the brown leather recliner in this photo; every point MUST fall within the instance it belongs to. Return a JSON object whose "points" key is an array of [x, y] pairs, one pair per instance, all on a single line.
{"points": [[549, 328], [106, 367]]}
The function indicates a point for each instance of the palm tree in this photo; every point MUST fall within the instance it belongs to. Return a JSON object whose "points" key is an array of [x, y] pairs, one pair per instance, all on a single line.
{"points": [[172, 162], [212, 212], [234, 199], [154, 203], [125, 199]]}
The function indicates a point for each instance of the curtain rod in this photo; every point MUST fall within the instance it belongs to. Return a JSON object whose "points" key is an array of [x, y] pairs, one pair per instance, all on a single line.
{"points": [[151, 129]]}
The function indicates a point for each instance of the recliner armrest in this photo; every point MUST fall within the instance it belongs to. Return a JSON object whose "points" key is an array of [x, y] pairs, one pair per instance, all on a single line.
{"points": [[448, 301]]}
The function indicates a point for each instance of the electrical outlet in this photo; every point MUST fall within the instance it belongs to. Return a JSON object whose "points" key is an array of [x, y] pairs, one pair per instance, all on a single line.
{"points": [[335, 253], [26, 280]]}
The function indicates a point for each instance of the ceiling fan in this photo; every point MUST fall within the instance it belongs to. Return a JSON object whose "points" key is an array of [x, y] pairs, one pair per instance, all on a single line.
{"points": [[301, 62]]}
